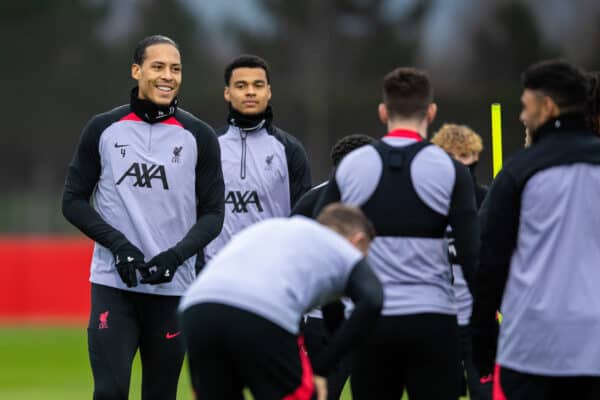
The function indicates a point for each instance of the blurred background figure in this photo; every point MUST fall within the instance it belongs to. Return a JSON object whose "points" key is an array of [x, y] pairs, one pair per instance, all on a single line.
{"points": [[465, 146]]}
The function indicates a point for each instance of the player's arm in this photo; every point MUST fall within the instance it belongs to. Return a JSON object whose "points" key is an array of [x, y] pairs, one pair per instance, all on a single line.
{"points": [[308, 201], [299, 172], [329, 194], [210, 198], [82, 176], [210, 193], [366, 292], [462, 217], [499, 217]]}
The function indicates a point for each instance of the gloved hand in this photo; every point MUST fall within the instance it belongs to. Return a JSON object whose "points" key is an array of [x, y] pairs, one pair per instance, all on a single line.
{"points": [[161, 268], [127, 259]]}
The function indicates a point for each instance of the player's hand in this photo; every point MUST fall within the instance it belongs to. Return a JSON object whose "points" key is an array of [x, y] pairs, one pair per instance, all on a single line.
{"points": [[127, 259], [161, 268], [484, 349], [320, 387]]}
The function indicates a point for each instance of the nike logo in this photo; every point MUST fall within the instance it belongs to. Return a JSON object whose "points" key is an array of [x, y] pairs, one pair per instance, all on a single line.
{"points": [[117, 145], [486, 379], [169, 336]]}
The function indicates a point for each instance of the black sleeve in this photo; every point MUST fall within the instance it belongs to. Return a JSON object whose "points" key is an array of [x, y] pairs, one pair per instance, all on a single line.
{"points": [[462, 217], [499, 216], [330, 194], [333, 316], [210, 193], [308, 201], [82, 176], [299, 170], [367, 294]]}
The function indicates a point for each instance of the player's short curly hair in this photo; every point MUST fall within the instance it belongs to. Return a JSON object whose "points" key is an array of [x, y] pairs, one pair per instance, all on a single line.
{"points": [[347, 144], [458, 139]]}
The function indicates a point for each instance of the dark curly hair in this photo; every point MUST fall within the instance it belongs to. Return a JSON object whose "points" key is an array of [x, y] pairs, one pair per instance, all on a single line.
{"points": [[346, 144]]}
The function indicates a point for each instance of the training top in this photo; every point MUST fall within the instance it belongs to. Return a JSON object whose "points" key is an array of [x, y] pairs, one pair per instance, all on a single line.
{"points": [[266, 171], [411, 191], [279, 269], [157, 185], [540, 254]]}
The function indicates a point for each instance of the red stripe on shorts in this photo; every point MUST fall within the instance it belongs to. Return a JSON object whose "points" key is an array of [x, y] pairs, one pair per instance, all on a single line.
{"points": [[306, 388]]}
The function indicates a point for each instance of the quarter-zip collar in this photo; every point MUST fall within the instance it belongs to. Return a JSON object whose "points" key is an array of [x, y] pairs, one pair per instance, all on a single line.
{"points": [[570, 122], [250, 122], [150, 112]]}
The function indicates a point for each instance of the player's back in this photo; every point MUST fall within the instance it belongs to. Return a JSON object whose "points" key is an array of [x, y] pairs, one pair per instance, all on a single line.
{"points": [[406, 188], [551, 302], [278, 268]]}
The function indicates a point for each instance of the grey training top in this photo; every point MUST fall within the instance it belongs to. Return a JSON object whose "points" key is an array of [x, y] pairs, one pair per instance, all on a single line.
{"points": [[411, 191], [302, 266], [265, 172]]}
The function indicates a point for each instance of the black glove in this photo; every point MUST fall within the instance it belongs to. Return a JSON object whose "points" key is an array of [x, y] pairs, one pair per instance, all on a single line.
{"points": [[484, 343], [161, 268], [127, 259]]}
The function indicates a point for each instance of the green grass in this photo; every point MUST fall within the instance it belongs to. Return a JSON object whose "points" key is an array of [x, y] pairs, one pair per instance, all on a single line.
{"points": [[52, 363]]}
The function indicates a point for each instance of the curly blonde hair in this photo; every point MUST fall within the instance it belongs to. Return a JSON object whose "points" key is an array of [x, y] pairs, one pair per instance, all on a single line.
{"points": [[458, 139]]}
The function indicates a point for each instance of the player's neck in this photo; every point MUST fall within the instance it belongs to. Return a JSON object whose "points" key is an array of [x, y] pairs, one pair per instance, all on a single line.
{"points": [[409, 124]]}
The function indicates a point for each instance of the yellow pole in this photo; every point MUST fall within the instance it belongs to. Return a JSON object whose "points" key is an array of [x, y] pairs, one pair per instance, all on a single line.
{"points": [[496, 138]]}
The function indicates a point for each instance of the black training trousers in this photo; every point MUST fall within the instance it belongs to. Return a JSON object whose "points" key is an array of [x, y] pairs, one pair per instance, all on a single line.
{"points": [[317, 341], [419, 353], [120, 323], [513, 385], [477, 390], [229, 349]]}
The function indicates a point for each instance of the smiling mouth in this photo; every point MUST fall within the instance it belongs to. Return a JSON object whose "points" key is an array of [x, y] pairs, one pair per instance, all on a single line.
{"points": [[165, 89]]}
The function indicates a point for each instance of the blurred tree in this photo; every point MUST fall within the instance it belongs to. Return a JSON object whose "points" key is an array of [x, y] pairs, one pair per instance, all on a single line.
{"points": [[327, 71]]}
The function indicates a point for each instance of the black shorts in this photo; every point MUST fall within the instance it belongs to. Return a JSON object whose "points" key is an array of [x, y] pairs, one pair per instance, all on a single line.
{"points": [[419, 353], [121, 322], [229, 349], [512, 385]]}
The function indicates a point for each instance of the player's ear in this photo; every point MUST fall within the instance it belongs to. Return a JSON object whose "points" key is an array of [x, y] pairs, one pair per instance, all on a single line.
{"points": [[226, 94], [360, 241], [431, 112], [136, 71], [383, 113]]}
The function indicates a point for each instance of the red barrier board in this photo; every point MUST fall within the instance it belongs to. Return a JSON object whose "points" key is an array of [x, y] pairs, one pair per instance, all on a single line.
{"points": [[44, 278]]}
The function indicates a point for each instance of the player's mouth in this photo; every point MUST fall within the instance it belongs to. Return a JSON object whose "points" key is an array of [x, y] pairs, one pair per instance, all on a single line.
{"points": [[165, 89]]}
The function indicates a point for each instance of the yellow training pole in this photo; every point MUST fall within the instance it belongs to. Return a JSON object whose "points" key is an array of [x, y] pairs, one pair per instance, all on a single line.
{"points": [[496, 138]]}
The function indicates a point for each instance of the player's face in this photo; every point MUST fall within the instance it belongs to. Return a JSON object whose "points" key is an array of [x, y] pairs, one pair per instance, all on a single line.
{"points": [[535, 110], [248, 90], [464, 157], [159, 76]]}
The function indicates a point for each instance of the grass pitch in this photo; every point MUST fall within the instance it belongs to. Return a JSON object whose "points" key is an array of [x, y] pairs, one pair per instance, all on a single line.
{"points": [[52, 363]]}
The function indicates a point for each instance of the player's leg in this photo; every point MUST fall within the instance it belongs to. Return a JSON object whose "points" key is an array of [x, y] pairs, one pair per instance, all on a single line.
{"points": [[316, 341], [576, 387], [161, 347], [378, 365], [514, 385], [272, 362], [477, 390], [113, 335], [433, 354], [212, 369]]}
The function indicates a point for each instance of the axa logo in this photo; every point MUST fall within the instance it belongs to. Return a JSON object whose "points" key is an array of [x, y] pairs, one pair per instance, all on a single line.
{"points": [[241, 200], [143, 175]]}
